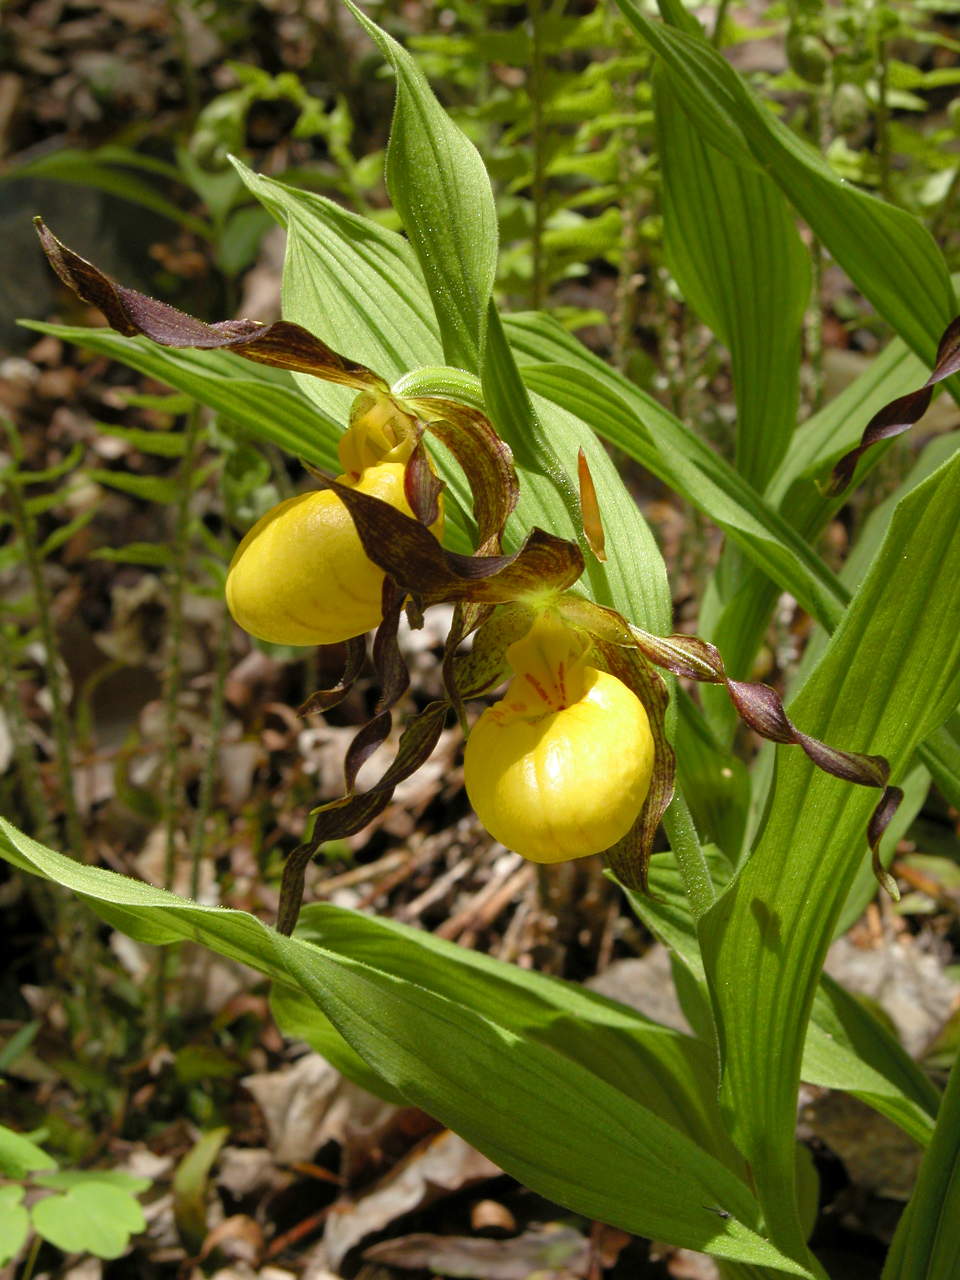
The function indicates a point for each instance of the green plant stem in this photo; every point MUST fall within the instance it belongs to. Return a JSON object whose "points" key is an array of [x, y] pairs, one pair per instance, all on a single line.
{"points": [[718, 23], [30, 1261], [883, 119], [538, 140], [813, 321], [62, 736], [682, 833], [174, 659], [208, 781], [22, 752]]}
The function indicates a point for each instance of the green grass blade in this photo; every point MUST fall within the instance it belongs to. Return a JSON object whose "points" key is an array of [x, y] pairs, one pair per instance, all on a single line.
{"points": [[889, 678]]}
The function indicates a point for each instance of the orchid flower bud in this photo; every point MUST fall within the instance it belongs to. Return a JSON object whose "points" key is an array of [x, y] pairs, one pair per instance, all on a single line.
{"points": [[561, 766], [301, 576]]}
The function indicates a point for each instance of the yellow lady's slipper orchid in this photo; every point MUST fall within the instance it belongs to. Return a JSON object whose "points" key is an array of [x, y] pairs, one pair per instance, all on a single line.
{"points": [[301, 576], [561, 766]]}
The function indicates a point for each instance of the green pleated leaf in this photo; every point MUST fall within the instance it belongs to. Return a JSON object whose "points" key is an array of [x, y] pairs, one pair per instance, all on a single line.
{"points": [[668, 1072], [264, 401], [440, 188], [887, 253], [733, 247], [927, 1242], [355, 284], [542, 1116], [846, 1047], [651, 435], [737, 625], [889, 678]]}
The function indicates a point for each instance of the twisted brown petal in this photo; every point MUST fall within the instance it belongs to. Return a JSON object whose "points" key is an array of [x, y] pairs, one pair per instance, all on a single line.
{"points": [[485, 460], [346, 816], [412, 556], [324, 699], [283, 345], [900, 414], [761, 708]]}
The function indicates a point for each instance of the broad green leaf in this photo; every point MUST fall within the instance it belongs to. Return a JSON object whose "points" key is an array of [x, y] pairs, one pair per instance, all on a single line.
{"points": [[845, 1047], [737, 626], [440, 188], [887, 253], [734, 250], [927, 1242], [670, 1073], [646, 431], [14, 1223], [264, 401], [354, 284], [91, 1217], [298, 1017], [547, 1120], [889, 678], [19, 1156]]}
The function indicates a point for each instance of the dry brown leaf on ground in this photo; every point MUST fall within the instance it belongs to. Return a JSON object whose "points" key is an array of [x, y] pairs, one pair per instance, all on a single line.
{"points": [[311, 1103], [554, 1253], [439, 1166]]}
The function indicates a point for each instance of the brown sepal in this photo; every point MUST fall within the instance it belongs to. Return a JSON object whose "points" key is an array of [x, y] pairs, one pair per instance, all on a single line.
{"points": [[484, 458], [283, 345], [900, 414], [762, 709], [422, 487], [413, 557], [349, 814], [324, 699]]}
